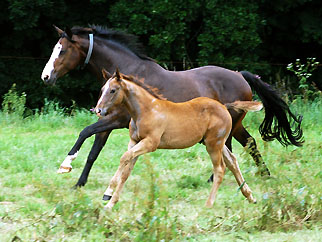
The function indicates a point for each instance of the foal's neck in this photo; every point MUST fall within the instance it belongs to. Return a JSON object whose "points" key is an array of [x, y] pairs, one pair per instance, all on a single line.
{"points": [[137, 100]]}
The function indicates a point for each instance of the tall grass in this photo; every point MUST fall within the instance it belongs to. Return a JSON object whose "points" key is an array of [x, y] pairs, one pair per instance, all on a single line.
{"points": [[163, 200]]}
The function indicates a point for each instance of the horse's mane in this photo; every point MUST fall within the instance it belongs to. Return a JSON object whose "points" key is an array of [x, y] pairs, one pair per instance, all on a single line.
{"points": [[140, 82], [126, 40]]}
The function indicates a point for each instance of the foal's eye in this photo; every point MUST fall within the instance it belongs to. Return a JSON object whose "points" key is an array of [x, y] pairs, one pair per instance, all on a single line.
{"points": [[62, 52], [112, 91]]}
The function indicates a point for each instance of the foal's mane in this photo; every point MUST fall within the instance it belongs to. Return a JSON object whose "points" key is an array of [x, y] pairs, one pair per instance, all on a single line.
{"points": [[126, 40], [140, 82]]}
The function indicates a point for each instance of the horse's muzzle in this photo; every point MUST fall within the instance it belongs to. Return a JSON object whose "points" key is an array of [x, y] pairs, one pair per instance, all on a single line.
{"points": [[50, 81]]}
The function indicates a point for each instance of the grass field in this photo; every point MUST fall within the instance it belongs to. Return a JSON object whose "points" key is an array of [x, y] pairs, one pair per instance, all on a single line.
{"points": [[164, 198]]}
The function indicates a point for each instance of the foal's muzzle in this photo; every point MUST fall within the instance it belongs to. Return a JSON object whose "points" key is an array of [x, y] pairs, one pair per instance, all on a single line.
{"points": [[100, 111]]}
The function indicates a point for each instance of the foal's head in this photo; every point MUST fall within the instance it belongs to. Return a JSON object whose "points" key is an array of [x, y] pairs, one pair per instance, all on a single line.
{"points": [[111, 93]]}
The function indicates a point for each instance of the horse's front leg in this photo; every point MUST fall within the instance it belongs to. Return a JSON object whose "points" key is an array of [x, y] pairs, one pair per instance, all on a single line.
{"points": [[127, 163], [100, 126]]}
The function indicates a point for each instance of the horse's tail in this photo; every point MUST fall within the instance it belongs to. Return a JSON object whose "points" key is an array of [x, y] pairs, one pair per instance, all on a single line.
{"points": [[244, 106], [279, 122]]}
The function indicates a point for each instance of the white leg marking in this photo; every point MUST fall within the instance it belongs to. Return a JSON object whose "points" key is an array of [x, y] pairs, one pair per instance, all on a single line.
{"points": [[66, 166], [108, 192], [50, 64]]}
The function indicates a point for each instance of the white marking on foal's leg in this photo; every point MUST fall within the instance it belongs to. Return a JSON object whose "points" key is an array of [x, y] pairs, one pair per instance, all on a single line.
{"points": [[108, 194], [66, 166]]}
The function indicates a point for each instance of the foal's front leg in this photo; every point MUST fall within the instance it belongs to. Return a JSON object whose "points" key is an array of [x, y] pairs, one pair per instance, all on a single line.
{"points": [[127, 163], [115, 179]]}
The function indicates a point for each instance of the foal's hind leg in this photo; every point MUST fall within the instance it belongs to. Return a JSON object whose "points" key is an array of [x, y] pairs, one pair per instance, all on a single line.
{"points": [[228, 144], [231, 162], [246, 140]]}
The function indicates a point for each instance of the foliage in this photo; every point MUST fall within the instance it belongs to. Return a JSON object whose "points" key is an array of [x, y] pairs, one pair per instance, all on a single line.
{"points": [[303, 73], [13, 103], [229, 33], [164, 197]]}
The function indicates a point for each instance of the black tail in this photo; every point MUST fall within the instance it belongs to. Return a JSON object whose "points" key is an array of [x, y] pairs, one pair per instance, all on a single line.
{"points": [[279, 122]]}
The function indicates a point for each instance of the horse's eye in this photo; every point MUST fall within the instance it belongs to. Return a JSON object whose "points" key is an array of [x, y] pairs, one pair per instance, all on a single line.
{"points": [[112, 91], [62, 52]]}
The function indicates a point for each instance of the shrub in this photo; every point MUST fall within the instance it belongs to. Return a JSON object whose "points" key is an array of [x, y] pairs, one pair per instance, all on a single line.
{"points": [[13, 103]]}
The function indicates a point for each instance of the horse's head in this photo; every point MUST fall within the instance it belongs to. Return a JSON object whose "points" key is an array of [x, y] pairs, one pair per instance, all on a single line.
{"points": [[66, 56], [111, 94]]}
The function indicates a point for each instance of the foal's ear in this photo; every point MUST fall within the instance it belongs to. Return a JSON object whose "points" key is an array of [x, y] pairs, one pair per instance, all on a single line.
{"points": [[59, 31], [106, 74], [117, 74]]}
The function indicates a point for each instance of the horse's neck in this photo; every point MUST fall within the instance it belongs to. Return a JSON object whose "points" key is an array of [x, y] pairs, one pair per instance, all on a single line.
{"points": [[110, 56], [137, 100]]}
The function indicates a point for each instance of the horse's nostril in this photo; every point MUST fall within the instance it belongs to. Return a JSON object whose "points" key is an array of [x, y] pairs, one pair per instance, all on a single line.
{"points": [[46, 77], [98, 110]]}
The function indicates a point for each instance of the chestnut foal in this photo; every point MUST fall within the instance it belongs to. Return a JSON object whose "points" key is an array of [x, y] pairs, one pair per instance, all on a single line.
{"points": [[160, 124]]}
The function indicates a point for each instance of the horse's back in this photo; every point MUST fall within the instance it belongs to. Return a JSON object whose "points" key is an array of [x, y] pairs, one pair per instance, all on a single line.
{"points": [[210, 81]]}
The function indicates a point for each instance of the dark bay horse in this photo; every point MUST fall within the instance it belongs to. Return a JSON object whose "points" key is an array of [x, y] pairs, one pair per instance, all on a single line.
{"points": [[98, 47], [157, 123]]}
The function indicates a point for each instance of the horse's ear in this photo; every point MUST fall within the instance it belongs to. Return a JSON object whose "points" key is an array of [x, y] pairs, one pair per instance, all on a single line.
{"points": [[59, 31], [117, 74], [69, 33], [106, 74]]}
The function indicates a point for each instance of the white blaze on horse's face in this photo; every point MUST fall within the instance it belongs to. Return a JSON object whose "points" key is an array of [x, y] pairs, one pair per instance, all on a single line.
{"points": [[49, 68]]}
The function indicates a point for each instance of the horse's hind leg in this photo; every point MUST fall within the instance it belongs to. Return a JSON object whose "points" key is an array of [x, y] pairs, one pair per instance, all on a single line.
{"points": [[246, 140], [231, 162], [215, 153]]}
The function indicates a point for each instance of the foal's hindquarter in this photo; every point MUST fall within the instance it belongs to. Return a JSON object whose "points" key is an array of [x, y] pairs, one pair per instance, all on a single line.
{"points": [[168, 125]]}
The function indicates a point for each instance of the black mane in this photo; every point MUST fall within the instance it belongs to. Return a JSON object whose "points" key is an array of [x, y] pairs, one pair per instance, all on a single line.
{"points": [[129, 41]]}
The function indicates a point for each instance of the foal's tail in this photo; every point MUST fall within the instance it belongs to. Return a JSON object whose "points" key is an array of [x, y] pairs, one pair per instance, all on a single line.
{"points": [[279, 122], [244, 106]]}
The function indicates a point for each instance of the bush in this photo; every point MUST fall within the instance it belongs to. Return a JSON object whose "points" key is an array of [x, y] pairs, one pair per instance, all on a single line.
{"points": [[13, 103]]}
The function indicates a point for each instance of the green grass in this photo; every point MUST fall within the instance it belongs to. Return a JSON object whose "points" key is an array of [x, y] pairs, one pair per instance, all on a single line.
{"points": [[164, 198]]}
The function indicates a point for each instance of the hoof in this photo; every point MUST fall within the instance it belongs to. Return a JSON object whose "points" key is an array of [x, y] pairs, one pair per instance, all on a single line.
{"points": [[263, 171], [211, 179], [64, 169], [107, 208], [107, 197], [252, 200]]}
